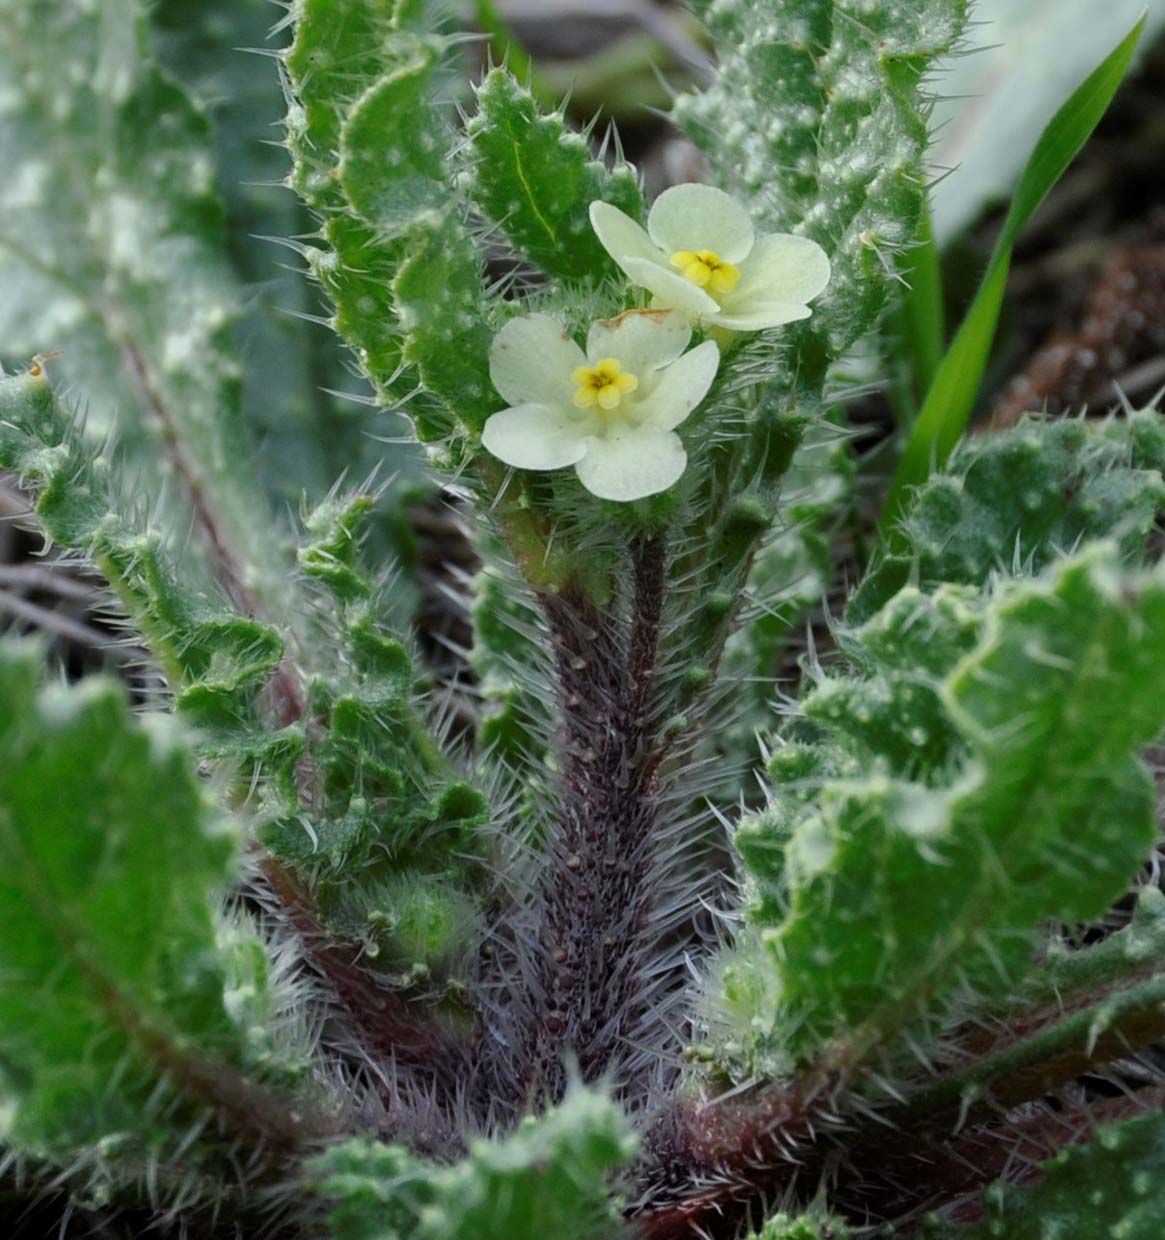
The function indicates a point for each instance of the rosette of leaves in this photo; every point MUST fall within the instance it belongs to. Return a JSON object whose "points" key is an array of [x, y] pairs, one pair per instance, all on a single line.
{"points": [[286, 954]]}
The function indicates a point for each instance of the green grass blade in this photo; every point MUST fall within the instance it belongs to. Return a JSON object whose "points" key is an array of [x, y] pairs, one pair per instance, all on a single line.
{"points": [[952, 395], [924, 328]]}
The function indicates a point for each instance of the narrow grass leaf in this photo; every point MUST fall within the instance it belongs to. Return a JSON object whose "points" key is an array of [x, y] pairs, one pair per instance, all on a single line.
{"points": [[952, 395]]}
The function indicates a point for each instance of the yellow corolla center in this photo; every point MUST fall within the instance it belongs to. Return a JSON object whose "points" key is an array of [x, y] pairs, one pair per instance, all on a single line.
{"points": [[706, 269], [603, 384]]}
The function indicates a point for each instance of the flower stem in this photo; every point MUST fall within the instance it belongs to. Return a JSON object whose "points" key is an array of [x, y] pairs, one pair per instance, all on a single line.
{"points": [[590, 941]]}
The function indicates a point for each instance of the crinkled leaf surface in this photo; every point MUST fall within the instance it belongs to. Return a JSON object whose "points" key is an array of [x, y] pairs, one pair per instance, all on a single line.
{"points": [[1015, 501], [109, 858], [899, 885]]}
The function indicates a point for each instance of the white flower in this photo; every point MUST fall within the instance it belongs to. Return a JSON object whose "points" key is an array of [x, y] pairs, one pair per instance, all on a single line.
{"points": [[610, 412], [700, 256]]}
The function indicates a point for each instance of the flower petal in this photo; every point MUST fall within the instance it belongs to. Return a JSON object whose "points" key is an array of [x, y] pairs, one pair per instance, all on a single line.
{"points": [[631, 463], [620, 236], [701, 217], [681, 387], [762, 314], [672, 290], [642, 340], [536, 436], [781, 267], [531, 361]]}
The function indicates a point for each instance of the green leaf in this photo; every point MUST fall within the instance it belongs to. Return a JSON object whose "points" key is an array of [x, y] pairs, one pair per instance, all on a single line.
{"points": [[354, 265], [547, 1179], [109, 859], [1013, 502], [440, 302], [392, 169], [216, 660], [113, 253], [536, 179], [816, 120], [327, 33], [391, 836], [816, 117], [386, 798], [1106, 1187], [1035, 806], [952, 396], [894, 718], [369, 147]]}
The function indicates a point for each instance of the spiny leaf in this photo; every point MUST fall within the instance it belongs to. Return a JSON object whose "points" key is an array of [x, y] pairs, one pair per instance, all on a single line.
{"points": [[1012, 502], [817, 118], [1107, 1187], [328, 34], [216, 660], [111, 976], [369, 146], [1039, 809], [536, 178], [893, 717], [392, 169], [546, 1179], [354, 265], [442, 310], [385, 797], [393, 833]]}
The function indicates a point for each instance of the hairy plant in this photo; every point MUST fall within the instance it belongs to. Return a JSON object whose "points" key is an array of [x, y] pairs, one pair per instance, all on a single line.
{"points": [[646, 950]]}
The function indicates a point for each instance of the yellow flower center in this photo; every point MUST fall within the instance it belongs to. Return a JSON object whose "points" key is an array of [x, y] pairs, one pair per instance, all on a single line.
{"points": [[603, 384], [707, 270]]}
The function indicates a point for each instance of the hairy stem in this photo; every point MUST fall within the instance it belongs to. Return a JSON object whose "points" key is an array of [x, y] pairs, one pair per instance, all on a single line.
{"points": [[1042, 1050], [597, 892], [784, 1138]]}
